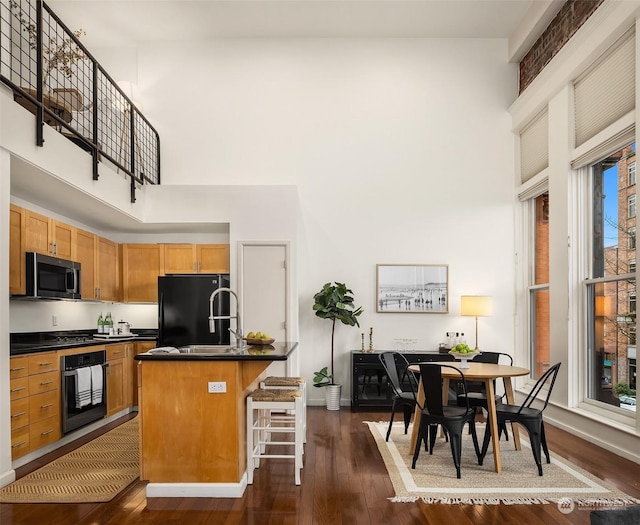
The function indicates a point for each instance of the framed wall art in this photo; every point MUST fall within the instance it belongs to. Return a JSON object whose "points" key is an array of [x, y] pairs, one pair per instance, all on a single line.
{"points": [[412, 288]]}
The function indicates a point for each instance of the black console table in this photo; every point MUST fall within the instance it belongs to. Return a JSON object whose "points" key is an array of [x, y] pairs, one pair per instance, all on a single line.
{"points": [[370, 389]]}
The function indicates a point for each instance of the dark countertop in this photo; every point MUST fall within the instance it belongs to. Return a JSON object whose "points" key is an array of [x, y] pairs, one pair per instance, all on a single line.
{"points": [[34, 342], [272, 352]]}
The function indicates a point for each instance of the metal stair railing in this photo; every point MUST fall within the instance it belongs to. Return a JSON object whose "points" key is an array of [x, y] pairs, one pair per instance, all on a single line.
{"points": [[53, 75]]}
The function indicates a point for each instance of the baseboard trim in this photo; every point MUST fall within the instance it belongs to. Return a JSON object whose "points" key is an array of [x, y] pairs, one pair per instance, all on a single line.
{"points": [[197, 490]]}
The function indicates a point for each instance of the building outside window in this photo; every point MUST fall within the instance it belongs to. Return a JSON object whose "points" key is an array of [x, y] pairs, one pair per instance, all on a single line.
{"points": [[539, 290], [631, 171], [611, 286]]}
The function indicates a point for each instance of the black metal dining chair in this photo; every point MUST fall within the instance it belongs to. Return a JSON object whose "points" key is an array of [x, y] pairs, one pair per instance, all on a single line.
{"points": [[529, 417], [434, 412], [477, 394], [396, 367]]}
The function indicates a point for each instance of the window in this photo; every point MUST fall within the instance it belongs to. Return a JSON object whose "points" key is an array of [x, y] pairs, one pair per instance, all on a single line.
{"points": [[631, 171], [611, 287], [539, 290]]}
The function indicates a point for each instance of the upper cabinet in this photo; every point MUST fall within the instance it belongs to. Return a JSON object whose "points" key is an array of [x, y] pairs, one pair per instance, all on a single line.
{"points": [[196, 258], [17, 237], [86, 255], [106, 270], [109, 271], [48, 236], [141, 266]]}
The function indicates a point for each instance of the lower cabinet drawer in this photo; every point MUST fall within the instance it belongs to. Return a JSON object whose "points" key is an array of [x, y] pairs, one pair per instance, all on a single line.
{"points": [[44, 382], [19, 413], [18, 388], [19, 442], [44, 432], [42, 406]]}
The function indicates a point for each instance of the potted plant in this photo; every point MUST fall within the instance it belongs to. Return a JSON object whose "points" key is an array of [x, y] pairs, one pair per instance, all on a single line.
{"points": [[334, 302]]}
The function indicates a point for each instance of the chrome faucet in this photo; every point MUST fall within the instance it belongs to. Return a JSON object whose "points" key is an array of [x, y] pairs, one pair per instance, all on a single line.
{"points": [[212, 325]]}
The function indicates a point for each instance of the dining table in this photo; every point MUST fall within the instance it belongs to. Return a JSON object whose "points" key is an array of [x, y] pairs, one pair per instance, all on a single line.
{"points": [[486, 373]]}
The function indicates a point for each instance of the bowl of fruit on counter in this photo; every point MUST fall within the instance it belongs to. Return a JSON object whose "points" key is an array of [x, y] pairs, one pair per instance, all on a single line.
{"points": [[464, 353], [259, 338]]}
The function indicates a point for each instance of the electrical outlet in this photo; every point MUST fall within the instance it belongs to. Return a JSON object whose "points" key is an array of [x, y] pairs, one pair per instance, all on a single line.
{"points": [[54, 320], [217, 387]]}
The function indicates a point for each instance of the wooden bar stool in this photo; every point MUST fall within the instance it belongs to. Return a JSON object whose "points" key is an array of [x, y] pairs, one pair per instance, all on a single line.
{"points": [[261, 422], [289, 383]]}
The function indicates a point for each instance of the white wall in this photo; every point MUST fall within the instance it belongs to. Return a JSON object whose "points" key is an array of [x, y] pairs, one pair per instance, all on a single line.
{"points": [[6, 474], [400, 150]]}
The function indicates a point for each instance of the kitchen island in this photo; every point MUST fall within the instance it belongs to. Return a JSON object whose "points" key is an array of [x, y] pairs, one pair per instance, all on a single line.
{"points": [[193, 417]]}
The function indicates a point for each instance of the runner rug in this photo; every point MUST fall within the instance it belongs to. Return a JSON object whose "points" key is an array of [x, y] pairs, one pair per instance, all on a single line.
{"points": [[434, 478], [95, 472]]}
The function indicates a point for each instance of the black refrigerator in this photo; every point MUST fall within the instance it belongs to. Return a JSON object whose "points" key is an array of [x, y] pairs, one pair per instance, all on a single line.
{"points": [[183, 310]]}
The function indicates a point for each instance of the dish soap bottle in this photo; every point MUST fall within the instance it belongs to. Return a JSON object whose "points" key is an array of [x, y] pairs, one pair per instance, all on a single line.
{"points": [[100, 324]]}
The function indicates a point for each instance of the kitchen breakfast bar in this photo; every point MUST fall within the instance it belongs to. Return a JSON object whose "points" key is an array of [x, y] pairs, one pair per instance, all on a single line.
{"points": [[192, 410]]}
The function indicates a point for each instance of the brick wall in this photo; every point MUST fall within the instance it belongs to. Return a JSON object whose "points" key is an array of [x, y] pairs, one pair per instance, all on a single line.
{"points": [[571, 16]]}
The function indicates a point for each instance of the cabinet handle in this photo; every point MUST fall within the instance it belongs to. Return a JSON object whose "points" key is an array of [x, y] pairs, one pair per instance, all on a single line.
{"points": [[45, 383], [48, 405], [19, 414], [19, 444], [17, 369], [45, 364], [199, 266], [55, 248], [46, 432], [117, 352], [18, 389], [51, 248]]}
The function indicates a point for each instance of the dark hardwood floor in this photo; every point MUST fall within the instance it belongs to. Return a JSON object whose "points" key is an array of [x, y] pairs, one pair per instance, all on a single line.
{"points": [[344, 482]]}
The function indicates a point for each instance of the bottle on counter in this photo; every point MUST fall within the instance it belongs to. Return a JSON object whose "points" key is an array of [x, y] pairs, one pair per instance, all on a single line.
{"points": [[108, 329], [100, 324]]}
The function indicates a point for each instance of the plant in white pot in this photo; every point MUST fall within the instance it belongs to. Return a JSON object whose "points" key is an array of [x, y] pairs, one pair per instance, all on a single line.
{"points": [[334, 302]]}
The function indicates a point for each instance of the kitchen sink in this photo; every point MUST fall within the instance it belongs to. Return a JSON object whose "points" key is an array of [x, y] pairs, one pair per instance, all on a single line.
{"points": [[208, 349]]}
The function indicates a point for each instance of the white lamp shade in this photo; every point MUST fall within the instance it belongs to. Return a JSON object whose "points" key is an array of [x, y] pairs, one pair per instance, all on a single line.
{"points": [[477, 305]]}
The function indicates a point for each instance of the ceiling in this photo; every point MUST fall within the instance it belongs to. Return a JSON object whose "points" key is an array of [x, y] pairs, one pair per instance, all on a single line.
{"points": [[128, 23]]}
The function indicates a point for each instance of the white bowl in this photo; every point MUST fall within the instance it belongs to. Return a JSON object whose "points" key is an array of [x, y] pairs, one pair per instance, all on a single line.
{"points": [[464, 357]]}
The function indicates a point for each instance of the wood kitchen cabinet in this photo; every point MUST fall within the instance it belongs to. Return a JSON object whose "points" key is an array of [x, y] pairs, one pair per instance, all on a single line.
{"points": [[48, 236], [17, 238], [117, 390], [106, 270], [141, 266], [86, 255], [140, 348], [196, 258], [35, 402]]}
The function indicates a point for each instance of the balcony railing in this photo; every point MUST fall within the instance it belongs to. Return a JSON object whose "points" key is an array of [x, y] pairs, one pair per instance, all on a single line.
{"points": [[54, 76]]}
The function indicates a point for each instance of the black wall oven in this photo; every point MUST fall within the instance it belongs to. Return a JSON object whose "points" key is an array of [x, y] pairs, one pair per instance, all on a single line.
{"points": [[84, 389]]}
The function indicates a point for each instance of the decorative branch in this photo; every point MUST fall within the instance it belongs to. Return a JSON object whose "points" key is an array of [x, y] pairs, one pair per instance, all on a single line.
{"points": [[59, 56]]}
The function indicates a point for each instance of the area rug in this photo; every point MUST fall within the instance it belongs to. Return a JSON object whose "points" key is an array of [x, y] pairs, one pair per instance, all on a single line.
{"points": [[434, 478], [95, 472]]}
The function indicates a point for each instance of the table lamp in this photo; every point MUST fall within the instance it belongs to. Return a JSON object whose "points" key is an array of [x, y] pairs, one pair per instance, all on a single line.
{"points": [[476, 305]]}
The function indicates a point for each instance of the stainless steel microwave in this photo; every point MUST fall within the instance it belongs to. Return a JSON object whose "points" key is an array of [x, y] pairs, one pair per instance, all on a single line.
{"points": [[52, 278]]}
